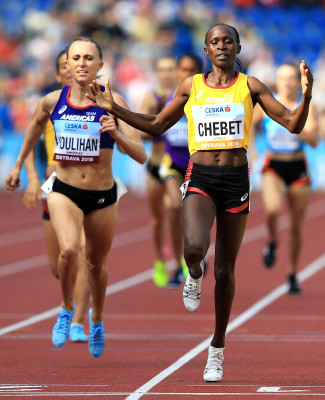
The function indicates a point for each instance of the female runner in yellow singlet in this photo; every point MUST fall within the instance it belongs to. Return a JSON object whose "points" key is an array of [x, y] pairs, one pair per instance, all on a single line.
{"points": [[219, 107]]}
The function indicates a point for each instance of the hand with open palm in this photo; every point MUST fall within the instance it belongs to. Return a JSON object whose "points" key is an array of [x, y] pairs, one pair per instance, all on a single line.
{"points": [[306, 79], [101, 99]]}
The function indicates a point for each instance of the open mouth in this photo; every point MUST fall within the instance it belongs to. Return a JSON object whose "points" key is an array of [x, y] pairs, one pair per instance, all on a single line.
{"points": [[222, 56]]}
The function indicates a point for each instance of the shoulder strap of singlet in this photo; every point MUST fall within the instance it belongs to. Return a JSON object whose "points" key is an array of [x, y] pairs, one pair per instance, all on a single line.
{"points": [[63, 96]]}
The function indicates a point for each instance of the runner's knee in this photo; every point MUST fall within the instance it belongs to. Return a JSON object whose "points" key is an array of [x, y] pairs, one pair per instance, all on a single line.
{"points": [[273, 212], [224, 273], [69, 255], [194, 252], [175, 208], [96, 267]]}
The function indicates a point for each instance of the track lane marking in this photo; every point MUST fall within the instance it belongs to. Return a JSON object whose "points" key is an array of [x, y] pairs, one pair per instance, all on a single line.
{"points": [[100, 394], [114, 288], [251, 234], [141, 234], [120, 240], [270, 298], [144, 233], [22, 390]]}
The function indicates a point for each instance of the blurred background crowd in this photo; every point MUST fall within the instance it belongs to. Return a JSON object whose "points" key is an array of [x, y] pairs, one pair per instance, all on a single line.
{"points": [[133, 34]]}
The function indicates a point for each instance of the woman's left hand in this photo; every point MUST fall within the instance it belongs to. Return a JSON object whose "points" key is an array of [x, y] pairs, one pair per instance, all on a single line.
{"points": [[108, 125], [306, 79], [101, 99]]}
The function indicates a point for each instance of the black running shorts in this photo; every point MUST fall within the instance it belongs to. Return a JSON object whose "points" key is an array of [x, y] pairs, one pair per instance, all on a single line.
{"points": [[227, 187], [87, 200], [293, 173]]}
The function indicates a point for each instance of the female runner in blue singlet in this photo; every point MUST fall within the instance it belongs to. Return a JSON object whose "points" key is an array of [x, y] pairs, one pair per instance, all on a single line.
{"points": [[32, 193], [84, 192], [285, 171]]}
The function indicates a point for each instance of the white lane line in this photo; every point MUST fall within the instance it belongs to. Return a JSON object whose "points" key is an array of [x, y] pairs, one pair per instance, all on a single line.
{"points": [[30, 321], [144, 233], [29, 391], [121, 239], [21, 236], [114, 288], [132, 236], [306, 273], [219, 385], [24, 265], [36, 233], [63, 394], [162, 394]]}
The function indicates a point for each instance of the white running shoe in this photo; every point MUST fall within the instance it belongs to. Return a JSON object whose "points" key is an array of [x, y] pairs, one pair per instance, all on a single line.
{"points": [[192, 291], [213, 370]]}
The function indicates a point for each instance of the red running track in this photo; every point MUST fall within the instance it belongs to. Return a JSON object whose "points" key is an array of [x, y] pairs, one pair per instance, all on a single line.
{"points": [[155, 348]]}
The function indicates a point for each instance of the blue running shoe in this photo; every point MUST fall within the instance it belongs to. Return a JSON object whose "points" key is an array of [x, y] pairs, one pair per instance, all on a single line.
{"points": [[61, 328], [96, 337], [177, 279], [204, 266], [77, 333]]}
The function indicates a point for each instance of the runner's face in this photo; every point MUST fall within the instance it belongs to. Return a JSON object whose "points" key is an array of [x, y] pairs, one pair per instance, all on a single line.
{"points": [[84, 62], [221, 47], [63, 76], [287, 81], [186, 67], [166, 72]]}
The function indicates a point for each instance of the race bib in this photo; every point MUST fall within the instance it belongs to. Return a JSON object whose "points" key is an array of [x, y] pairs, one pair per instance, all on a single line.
{"points": [[219, 126], [284, 141], [177, 135], [77, 141]]}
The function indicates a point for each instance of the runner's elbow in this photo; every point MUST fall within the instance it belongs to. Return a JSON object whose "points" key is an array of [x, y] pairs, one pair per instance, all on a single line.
{"points": [[143, 158], [157, 129]]}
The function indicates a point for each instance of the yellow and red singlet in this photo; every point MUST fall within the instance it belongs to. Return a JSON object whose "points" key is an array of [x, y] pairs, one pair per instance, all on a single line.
{"points": [[218, 118], [49, 138]]}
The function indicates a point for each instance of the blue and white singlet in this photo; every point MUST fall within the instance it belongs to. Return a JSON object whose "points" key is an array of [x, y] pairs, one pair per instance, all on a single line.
{"points": [[76, 131], [279, 139]]}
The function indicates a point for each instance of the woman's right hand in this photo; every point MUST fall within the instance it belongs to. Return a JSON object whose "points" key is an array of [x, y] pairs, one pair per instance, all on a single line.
{"points": [[33, 192], [101, 99], [12, 179]]}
